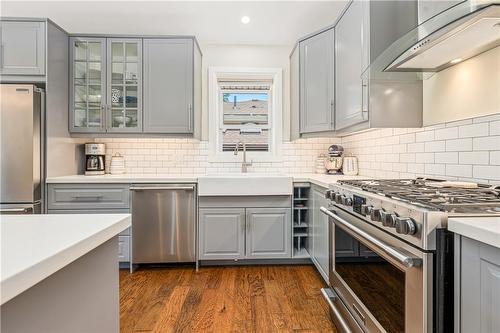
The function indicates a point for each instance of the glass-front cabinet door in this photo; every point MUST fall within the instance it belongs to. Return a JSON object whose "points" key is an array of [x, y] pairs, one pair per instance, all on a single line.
{"points": [[88, 86], [124, 85]]}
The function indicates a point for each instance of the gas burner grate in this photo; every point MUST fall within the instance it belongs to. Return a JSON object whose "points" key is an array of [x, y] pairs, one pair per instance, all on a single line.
{"points": [[419, 193]]}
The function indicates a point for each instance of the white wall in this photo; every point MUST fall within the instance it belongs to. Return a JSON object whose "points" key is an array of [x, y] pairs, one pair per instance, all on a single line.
{"points": [[247, 56], [466, 90]]}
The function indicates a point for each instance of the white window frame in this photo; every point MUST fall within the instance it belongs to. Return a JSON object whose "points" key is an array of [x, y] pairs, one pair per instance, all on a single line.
{"points": [[215, 113]]}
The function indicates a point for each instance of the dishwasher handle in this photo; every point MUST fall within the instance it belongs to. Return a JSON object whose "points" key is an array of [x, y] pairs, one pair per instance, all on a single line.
{"points": [[162, 188]]}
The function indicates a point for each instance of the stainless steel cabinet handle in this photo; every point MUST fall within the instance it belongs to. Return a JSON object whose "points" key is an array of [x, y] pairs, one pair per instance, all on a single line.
{"points": [[171, 188], [15, 210], [358, 312], [1, 56], [92, 196], [354, 231], [363, 104], [330, 298]]}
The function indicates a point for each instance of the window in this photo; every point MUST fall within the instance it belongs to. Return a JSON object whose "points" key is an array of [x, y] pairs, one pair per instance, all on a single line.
{"points": [[245, 117], [244, 106]]}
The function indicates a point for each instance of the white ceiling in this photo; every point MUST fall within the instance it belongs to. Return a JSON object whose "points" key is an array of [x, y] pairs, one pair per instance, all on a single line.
{"points": [[212, 22]]}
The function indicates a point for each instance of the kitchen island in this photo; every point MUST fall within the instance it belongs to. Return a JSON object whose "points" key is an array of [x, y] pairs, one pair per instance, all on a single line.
{"points": [[61, 272]]}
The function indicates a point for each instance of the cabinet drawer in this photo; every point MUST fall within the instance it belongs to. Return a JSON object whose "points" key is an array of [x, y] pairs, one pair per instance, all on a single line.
{"points": [[75, 196], [124, 248]]}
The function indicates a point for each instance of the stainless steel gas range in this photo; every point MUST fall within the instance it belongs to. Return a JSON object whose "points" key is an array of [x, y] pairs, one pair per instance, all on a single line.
{"points": [[391, 257]]}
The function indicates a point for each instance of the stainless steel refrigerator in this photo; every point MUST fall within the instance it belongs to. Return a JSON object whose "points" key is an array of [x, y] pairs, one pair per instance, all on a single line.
{"points": [[21, 148]]}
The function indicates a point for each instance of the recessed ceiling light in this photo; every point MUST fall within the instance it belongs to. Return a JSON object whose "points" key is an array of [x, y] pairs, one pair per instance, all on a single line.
{"points": [[245, 20], [455, 61]]}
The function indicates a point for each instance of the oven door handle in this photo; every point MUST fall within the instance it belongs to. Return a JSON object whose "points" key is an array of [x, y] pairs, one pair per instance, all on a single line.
{"points": [[402, 258]]}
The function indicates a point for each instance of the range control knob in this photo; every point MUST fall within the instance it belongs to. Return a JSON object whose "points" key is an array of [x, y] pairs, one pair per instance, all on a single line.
{"points": [[338, 197], [405, 226], [375, 214], [329, 194], [366, 210], [346, 201], [388, 219]]}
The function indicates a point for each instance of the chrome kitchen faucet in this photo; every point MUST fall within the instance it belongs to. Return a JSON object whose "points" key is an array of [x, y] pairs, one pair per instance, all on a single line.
{"points": [[244, 163]]}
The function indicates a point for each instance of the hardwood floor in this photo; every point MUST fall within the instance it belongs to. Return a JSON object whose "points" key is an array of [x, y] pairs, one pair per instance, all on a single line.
{"points": [[223, 299]]}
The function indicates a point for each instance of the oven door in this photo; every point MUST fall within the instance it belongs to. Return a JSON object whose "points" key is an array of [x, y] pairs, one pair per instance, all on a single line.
{"points": [[381, 283]]}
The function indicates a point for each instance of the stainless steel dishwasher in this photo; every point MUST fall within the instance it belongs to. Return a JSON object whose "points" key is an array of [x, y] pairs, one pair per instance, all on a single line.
{"points": [[163, 223]]}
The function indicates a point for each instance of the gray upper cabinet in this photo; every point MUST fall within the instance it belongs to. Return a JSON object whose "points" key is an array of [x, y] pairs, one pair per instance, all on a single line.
{"points": [[343, 87], [478, 291], [124, 85], [87, 85], [135, 85], [221, 233], [316, 83], [106, 85], [22, 47], [168, 85], [351, 61], [268, 233], [295, 94]]}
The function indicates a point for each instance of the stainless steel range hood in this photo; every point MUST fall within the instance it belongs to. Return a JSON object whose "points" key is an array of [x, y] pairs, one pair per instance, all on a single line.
{"points": [[459, 33]]}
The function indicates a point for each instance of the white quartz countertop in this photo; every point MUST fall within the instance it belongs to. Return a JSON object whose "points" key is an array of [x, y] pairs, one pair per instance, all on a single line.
{"points": [[485, 229], [323, 180], [36, 246]]}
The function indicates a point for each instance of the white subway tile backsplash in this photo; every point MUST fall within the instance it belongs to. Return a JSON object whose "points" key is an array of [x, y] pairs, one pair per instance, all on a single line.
{"points": [[407, 158], [474, 157], [446, 158], [459, 145], [407, 138], [467, 149], [459, 123], [464, 149], [435, 169], [487, 172], [474, 130], [446, 133], [435, 146], [495, 127], [416, 147], [424, 157], [495, 157], [457, 170], [424, 136], [486, 143], [484, 119]]}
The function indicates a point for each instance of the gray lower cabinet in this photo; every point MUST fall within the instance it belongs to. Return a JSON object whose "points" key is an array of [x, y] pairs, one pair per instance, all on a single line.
{"points": [[477, 293], [221, 233], [234, 228], [318, 232], [168, 85], [268, 233], [316, 83], [93, 199], [22, 47]]}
